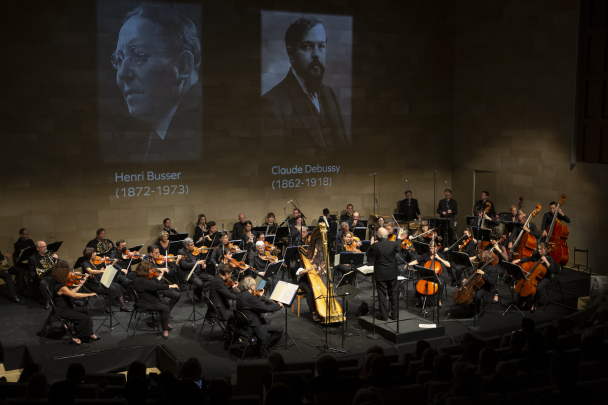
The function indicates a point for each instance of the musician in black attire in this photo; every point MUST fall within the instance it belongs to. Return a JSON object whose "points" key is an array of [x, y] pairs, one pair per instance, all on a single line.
{"points": [[188, 261], [20, 245], [519, 228], [221, 294], [480, 214], [490, 276], [428, 257], [237, 229], [256, 262], [354, 222], [409, 207], [120, 264], [214, 237], [201, 229], [253, 307], [548, 217], [35, 263], [549, 263], [296, 215], [325, 217], [384, 254], [7, 276], [456, 271], [167, 227], [215, 255], [148, 290], [248, 236], [349, 213], [302, 280], [153, 258], [94, 281], [63, 297], [296, 229], [347, 243], [482, 203], [344, 228], [270, 222], [95, 243], [447, 208]]}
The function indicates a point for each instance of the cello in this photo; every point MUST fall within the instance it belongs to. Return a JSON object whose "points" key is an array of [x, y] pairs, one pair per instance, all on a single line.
{"points": [[525, 243], [534, 272], [426, 287], [558, 233], [466, 293], [315, 260]]}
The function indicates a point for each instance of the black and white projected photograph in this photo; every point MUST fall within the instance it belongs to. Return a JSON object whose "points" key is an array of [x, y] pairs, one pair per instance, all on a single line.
{"points": [[306, 79], [149, 58]]}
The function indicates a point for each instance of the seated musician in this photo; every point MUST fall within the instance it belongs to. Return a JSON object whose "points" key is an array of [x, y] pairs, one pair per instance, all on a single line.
{"points": [[200, 230], [167, 227], [429, 257], [164, 276], [296, 230], [347, 245], [7, 275], [237, 229], [340, 234], [456, 271], [189, 261], [326, 217], [149, 299], [270, 222], [301, 279], [101, 245], [253, 306], [121, 264], [36, 267], [549, 263], [257, 263], [163, 246], [221, 294], [63, 297], [22, 243], [213, 238], [294, 262], [93, 282], [511, 218], [480, 214], [349, 213], [215, 255], [297, 215], [548, 217], [237, 274], [380, 222], [248, 236], [409, 207], [483, 204], [354, 222], [490, 276], [260, 237], [427, 237], [520, 227]]}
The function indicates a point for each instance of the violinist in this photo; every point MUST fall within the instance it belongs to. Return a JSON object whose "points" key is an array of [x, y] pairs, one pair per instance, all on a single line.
{"points": [[226, 258], [63, 297], [164, 274], [549, 263], [548, 217], [93, 282], [213, 238], [340, 234], [149, 299], [221, 248], [447, 208], [483, 202], [347, 245], [354, 222], [200, 230], [35, 264], [303, 238], [519, 227], [349, 213], [490, 276], [513, 212], [374, 228], [429, 257], [190, 261], [257, 263], [221, 294], [480, 214], [120, 264], [409, 207], [253, 306], [271, 224], [428, 237], [467, 246], [167, 227], [163, 246], [248, 236]]}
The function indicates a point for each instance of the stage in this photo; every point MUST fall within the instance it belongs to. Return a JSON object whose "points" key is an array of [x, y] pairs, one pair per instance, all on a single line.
{"points": [[21, 323]]}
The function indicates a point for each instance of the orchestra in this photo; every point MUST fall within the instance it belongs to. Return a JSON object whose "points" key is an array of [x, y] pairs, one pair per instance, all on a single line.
{"points": [[205, 263]]}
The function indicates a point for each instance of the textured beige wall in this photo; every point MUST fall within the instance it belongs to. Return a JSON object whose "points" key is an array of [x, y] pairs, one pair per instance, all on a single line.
{"points": [[514, 94]]}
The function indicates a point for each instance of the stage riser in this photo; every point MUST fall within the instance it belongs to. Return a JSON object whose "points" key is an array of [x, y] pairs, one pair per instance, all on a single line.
{"points": [[409, 330]]}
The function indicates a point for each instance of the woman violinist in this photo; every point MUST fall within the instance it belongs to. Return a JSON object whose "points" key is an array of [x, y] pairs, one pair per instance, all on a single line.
{"points": [[428, 237], [248, 236], [200, 230], [163, 248], [549, 263], [215, 255], [270, 222], [257, 261], [347, 245], [429, 257], [467, 246], [63, 297], [490, 275], [239, 268], [94, 283]]}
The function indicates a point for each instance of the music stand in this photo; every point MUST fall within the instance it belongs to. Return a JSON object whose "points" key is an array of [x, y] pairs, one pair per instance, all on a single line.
{"points": [[175, 246], [470, 218], [284, 232], [270, 239], [260, 229], [285, 293], [54, 247], [191, 288], [238, 256], [237, 242], [509, 225], [347, 292], [178, 236], [517, 273], [420, 247], [271, 270], [428, 275], [481, 234], [136, 248], [25, 254], [360, 232], [353, 259], [365, 244], [399, 217], [462, 259]]}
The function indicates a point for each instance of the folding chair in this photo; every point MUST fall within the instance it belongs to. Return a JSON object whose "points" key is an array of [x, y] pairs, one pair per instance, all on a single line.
{"points": [[211, 318]]}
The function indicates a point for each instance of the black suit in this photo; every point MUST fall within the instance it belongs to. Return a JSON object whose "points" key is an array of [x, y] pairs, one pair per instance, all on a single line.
{"points": [[221, 295], [403, 208], [237, 231], [345, 217], [384, 253], [148, 290], [477, 222], [252, 307], [289, 110], [482, 205], [33, 264], [447, 205], [186, 265]]}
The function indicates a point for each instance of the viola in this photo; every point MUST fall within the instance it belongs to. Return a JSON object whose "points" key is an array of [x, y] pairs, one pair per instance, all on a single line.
{"points": [[270, 246], [269, 257], [97, 260], [238, 265], [406, 244], [74, 279], [202, 250], [232, 248], [162, 259], [131, 255], [352, 247], [426, 287], [153, 273], [464, 244]]}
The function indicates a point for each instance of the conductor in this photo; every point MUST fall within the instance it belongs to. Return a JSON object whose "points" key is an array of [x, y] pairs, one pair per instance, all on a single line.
{"points": [[384, 253]]}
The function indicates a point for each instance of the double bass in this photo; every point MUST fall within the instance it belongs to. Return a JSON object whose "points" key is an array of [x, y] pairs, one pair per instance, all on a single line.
{"points": [[482, 245], [315, 259], [525, 244], [534, 272], [558, 233]]}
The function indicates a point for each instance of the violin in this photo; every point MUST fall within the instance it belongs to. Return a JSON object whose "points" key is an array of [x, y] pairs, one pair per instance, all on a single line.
{"points": [[74, 279], [406, 244], [392, 237], [153, 273], [97, 260], [131, 255], [464, 244], [270, 246], [238, 265], [230, 282], [269, 257], [202, 250], [162, 259]]}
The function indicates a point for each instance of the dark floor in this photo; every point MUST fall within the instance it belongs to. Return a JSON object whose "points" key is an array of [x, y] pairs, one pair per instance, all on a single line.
{"points": [[21, 323]]}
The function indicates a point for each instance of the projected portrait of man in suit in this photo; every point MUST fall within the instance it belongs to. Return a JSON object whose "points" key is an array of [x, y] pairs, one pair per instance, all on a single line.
{"points": [[157, 60], [301, 105]]}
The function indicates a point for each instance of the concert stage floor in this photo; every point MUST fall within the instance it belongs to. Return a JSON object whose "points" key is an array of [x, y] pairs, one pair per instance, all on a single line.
{"points": [[20, 324]]}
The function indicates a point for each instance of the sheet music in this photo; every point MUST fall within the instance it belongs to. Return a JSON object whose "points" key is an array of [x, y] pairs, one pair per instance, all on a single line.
{"points": [[284, 292], [366, 269], [108, 276]]}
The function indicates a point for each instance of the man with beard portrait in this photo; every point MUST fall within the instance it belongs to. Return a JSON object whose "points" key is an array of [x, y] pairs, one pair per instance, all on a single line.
{"points": [[301, 106]]}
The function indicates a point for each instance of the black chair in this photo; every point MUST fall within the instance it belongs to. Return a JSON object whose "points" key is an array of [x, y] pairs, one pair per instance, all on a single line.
{"points": [[241, 324], [138, 312], [211, 318], [53, 317]]}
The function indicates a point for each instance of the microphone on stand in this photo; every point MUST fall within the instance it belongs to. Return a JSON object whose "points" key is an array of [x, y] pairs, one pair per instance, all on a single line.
{"points": [[373, 174], [289, 202]]}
